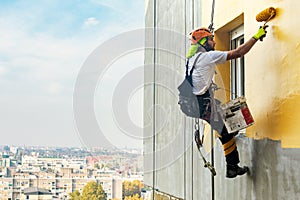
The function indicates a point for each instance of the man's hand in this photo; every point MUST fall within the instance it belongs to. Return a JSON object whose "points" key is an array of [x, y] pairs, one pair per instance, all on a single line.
{"points": [[261, 33]]}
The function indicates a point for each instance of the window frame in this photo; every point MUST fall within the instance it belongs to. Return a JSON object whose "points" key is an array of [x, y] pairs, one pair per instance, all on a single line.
{"points": [[237, 66]]}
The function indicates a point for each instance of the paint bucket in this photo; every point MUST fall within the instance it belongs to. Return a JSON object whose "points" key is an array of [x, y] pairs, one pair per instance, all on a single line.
{"points": [[236, 115]]}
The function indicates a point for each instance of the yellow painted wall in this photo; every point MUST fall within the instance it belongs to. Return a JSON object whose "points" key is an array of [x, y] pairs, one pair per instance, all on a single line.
{"points": [[272, 66]]}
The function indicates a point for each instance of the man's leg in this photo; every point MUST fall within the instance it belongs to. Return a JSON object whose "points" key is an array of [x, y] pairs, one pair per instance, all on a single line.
{"points": [[228, 140], [229, 147], [231, 154]]}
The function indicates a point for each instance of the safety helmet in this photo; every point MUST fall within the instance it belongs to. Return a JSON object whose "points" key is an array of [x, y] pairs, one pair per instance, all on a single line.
{"points": [[197, 34]]}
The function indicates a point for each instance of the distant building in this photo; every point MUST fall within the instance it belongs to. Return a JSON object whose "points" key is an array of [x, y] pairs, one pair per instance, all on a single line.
{"points": [[34, 193], [17, 186], [116, 189], [25, 177]]}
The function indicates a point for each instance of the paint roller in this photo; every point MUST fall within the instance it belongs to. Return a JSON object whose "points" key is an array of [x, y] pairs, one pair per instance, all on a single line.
{"points": [[266, 15]]}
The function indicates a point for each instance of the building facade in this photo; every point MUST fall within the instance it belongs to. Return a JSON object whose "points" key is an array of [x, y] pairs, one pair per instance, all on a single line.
{"points": [[267, 76]]}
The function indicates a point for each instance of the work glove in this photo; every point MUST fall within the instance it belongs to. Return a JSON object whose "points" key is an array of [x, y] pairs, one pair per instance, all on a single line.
{"points": [[261, 33]]}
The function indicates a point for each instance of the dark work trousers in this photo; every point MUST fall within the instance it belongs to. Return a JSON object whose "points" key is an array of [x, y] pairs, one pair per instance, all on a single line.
{"points": [[214, 119]]}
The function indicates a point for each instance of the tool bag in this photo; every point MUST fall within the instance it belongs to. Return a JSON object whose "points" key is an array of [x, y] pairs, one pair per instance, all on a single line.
{"points": [[187, 99]]}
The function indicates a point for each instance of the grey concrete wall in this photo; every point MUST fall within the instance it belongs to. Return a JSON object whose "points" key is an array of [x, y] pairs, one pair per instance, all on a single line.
{"points": [[172, 162]]}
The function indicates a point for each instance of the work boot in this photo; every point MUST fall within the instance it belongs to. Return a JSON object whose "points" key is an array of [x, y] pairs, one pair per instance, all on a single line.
{"points": [[234, 170]]}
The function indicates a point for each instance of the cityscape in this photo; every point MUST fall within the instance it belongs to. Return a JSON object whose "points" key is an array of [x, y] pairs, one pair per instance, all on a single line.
{"points": [[55, 172]]}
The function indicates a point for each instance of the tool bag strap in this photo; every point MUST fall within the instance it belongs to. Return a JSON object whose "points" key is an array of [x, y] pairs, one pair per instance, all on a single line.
{"points": [[193, 67]]}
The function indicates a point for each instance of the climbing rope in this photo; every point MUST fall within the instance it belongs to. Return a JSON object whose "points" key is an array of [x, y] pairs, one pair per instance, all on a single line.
{"points": [[211, 26], [199, 143]]}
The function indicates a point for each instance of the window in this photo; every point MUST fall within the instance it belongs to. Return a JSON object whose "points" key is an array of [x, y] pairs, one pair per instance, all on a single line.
{"points": [[237, 68]]}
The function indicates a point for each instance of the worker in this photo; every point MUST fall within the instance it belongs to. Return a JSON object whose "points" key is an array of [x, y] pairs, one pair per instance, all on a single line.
{"points": [[203, 56]]}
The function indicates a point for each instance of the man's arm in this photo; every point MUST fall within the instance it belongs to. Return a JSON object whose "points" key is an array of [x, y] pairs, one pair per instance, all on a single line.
{"points": [[241, 50], [245, 48]]}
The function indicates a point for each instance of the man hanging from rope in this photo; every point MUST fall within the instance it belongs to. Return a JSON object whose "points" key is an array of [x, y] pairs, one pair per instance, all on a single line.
{"points": [[204, 58]]}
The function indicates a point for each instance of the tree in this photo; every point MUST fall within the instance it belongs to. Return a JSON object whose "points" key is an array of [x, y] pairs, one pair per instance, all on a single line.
{"points": [[134, 197], [130, 189], [75, 195], [93, 191]]}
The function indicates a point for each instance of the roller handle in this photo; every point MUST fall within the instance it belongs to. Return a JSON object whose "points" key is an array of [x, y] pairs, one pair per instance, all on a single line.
{"points": [[266, 15]]}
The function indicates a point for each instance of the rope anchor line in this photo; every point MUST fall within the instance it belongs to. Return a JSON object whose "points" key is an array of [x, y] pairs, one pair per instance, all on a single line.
{"points": [[199, 142], [211, 26]]}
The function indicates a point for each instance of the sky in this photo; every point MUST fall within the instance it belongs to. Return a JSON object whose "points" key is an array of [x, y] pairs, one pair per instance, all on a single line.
{"points": [[43, 47]]}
